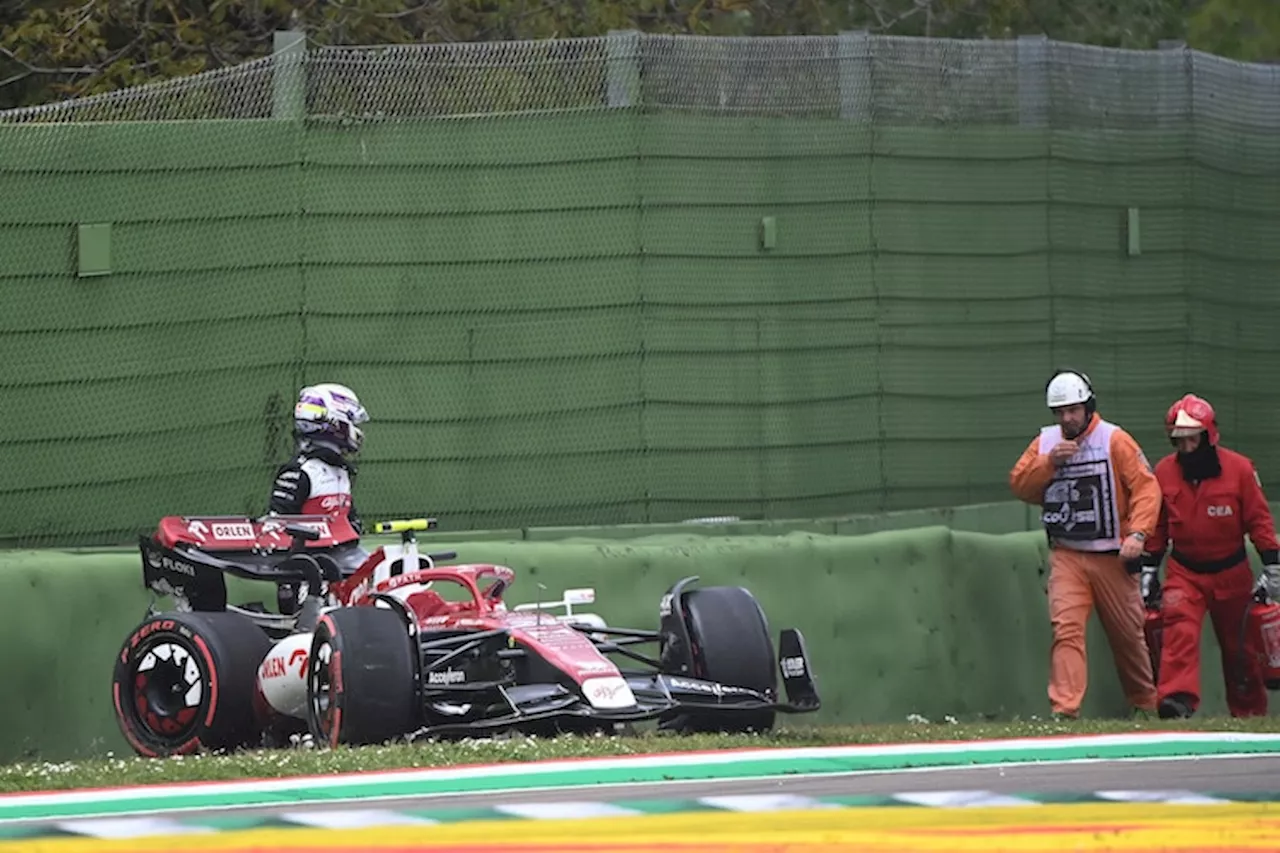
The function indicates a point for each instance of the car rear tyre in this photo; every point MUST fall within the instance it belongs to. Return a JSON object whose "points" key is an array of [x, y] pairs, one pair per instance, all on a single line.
{"points": [[184, 682], [360, 677], [731, 646]]}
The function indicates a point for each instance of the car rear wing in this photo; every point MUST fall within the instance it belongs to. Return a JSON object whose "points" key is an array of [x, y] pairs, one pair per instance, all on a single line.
{"points": [[198, 577]]}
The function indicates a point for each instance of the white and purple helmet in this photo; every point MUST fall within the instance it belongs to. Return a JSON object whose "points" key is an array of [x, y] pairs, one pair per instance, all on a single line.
{"points": [[330, 414]]}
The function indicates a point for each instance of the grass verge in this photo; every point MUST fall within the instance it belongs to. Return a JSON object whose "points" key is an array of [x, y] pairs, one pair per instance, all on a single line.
{"points": [[116, 771]]}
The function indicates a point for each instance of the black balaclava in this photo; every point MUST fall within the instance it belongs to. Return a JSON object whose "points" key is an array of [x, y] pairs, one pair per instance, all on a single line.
{"points": [[1201, 463]]}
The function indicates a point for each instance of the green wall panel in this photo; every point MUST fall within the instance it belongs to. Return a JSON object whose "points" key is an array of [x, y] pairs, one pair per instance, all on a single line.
{"points": [[567, 319]]}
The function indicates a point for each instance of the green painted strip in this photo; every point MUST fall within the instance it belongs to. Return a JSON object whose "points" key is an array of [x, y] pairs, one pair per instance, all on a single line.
{"points": [[662, 806], [19, 833], [1052, 798], [231, 822], [460, 815], [367, 789], [861, 801]]}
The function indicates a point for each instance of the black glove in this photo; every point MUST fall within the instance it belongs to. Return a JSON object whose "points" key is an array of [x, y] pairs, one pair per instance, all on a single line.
{"points": [[1151, 587], [1150, 567]]}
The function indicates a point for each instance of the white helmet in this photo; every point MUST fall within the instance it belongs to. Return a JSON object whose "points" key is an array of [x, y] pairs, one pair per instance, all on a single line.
{"points": [[1068, 388], [330, 414]]}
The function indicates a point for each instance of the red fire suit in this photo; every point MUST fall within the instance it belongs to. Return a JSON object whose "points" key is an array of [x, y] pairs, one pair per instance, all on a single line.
{"points": [[1208, 570]]}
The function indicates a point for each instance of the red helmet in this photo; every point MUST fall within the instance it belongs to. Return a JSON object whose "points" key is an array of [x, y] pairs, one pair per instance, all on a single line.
{"points": [[1191, 415]]}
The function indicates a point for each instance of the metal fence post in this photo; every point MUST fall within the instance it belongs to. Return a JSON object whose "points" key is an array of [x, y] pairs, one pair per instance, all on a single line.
{"points": [[288, 83], [1173, 95], [1033, 80], [622, 70], [853, 52]]}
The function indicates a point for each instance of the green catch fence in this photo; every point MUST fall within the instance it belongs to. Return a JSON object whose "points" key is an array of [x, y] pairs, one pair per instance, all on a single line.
{"points": [[627, 279]]}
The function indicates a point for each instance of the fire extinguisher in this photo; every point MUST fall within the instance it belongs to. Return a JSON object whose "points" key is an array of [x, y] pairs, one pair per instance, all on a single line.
{"points": [[1263, 627]]}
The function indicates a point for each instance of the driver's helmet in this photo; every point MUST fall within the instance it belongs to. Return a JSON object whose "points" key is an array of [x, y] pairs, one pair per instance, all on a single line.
{"points": [[330, 414]]}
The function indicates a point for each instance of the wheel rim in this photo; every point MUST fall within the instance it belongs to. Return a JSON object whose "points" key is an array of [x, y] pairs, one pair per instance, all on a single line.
{"points": [[169, 688], [324, 710]]}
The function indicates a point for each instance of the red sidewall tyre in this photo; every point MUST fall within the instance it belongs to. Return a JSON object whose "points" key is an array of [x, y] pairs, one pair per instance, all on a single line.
{"points": [[184, 682], [360, 678]]}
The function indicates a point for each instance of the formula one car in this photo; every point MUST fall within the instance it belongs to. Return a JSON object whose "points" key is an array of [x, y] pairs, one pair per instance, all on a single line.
{"points": [[371, 647]]}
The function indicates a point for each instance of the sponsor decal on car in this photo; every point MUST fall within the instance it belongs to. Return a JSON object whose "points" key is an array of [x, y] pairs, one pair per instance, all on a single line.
{"points": [[164, 562], [274, 528], [608, 692], [446, 676], [793, 666], [711, 687], [233, 530], [320, 527], [276, 666]]}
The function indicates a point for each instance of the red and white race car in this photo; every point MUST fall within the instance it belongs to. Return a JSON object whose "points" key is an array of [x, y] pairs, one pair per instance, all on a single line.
{"points": [[370, 647]]}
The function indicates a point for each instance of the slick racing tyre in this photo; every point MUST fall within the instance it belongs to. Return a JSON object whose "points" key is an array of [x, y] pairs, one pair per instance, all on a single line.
{"points": [[360, 677], [184, 682], [731, 646]]}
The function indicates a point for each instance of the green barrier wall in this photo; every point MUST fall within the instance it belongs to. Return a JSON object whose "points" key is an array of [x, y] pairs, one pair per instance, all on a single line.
{"points": [[929, 621], [574, 319]]}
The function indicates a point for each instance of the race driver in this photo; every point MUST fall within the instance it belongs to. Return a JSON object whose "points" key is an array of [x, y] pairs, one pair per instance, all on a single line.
{"points": [[1099, 501], [318, 479], [1212, 498]]}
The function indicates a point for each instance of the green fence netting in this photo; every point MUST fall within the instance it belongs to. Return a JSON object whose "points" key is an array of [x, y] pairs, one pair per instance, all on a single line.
{"points": [[629, 278]]}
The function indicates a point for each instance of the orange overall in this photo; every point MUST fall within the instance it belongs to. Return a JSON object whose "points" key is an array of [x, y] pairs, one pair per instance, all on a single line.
{"points": [[1100, 496]]}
